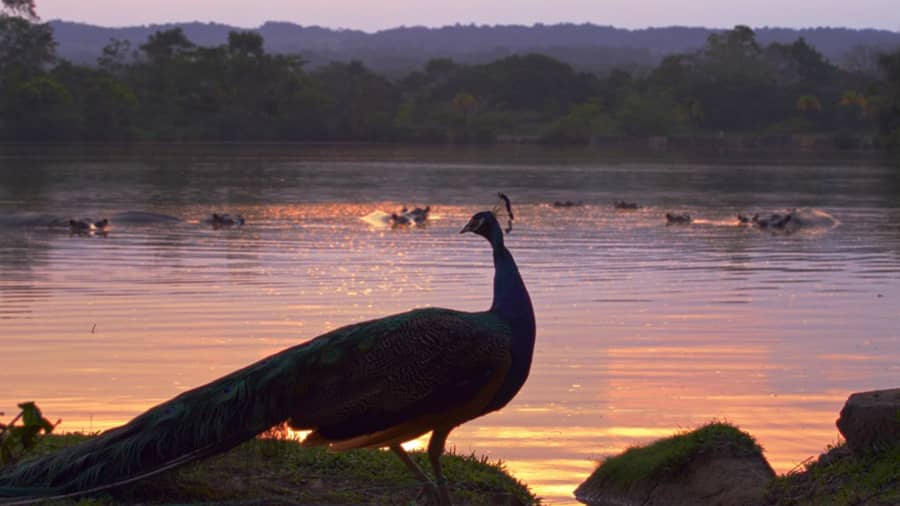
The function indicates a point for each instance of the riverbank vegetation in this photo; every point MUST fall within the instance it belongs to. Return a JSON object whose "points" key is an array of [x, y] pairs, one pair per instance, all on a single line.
{"points": [[841, 478], [169, 89], [275, 470]]}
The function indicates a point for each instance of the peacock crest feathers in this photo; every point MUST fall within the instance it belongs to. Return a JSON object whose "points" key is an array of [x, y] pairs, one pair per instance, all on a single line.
{"points": [[504, 207]]}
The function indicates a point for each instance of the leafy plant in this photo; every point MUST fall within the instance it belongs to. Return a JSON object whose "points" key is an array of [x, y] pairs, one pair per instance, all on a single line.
{"points": [[16, 440]]}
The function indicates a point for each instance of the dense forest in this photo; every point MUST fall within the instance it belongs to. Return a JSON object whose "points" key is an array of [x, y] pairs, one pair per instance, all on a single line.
{"points": [[169, 88]]}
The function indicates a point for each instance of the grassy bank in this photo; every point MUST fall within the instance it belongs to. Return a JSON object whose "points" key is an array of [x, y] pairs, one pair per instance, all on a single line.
{"points": [[697, 467], [669, 456], [671, 471], [276, 471], [841, 478]]}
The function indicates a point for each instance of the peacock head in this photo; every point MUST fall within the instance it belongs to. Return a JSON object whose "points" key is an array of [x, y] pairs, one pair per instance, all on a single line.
{"points": [[486, 223]]}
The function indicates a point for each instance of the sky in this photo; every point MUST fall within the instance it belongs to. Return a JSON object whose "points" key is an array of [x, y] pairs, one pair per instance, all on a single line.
{"points": [[370, 15]]}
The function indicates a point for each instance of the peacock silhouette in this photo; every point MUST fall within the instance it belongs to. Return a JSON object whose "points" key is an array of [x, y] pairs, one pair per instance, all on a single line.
{"points": [[377, 383]]}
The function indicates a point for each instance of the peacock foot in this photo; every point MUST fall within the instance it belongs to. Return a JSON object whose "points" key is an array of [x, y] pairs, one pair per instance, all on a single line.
{"points": [[432, 495]]}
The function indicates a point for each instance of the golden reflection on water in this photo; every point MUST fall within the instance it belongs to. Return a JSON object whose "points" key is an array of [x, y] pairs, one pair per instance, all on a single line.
{"points": [[643, 331]]}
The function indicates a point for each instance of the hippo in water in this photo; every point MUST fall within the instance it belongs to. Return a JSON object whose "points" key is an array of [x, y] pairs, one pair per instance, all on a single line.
{"points": [[416, 216], [122, 218], [775, 220], [226, 220], [419, 214], [625, 206], [678, 219], [88, 226], [567, 203], [791, 220]]}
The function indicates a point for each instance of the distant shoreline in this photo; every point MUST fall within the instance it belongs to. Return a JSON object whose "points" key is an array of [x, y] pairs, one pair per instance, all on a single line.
{"points": [[727, 149]]}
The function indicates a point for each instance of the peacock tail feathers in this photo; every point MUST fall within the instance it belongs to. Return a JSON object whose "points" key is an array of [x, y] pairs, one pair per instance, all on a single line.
{"points": [[354, 380], [206, 420]]}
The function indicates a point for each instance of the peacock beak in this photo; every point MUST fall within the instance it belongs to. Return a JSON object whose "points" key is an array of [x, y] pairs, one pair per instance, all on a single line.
{"points": [[472, 225]]}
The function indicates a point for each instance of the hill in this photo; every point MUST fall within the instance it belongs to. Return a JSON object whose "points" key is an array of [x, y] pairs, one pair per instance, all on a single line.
{"points": [[398, 50]]}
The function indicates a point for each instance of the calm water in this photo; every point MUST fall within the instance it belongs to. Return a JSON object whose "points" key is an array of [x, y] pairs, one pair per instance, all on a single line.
{"points": [[643, 329]]}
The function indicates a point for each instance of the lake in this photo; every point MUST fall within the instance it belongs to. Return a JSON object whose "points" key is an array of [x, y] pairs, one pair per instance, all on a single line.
{"points": [[644, 329]]}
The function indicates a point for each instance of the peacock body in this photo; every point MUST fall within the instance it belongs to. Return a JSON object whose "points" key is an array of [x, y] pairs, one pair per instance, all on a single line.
{"points": [[371, 384]]}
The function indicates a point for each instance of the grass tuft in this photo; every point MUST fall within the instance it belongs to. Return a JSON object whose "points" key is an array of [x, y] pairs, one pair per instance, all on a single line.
{"points": [[667, 457]]}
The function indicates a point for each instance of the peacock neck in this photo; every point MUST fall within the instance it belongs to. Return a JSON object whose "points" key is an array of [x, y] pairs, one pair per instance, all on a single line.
{"points": [[511, 301], [508, 286], [513, 305]]}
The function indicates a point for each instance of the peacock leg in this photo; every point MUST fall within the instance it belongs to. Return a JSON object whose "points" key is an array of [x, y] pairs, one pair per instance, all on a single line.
{"points": [[435, 450], [427, 485]]}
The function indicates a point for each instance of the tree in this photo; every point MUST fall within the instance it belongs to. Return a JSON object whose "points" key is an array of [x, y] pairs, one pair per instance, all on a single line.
{"points": [[808, 104], [300, 108], [464, 103], [734, 51], [108, 110], [24, 8], [583, 123], [531, 82], [361, 104], [648, 114], [171, 86], [731, 79], [798, 63], [165, 45], [115, 56], [861, 106], [39, 109], [245, 43], [26, 48], [862, 60], [890, 114], [440, 67]]}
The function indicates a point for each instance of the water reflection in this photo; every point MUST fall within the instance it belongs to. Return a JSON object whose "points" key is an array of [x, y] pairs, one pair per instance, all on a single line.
{"points": [[643, 329]]}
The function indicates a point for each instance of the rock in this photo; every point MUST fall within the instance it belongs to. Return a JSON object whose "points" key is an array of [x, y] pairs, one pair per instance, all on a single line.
{"points": [[717, 481], [870, 421], [708, 466], [713, 481]]}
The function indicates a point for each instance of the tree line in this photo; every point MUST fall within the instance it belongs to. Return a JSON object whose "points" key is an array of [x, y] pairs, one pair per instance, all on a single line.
{"points": [[170, 89]]}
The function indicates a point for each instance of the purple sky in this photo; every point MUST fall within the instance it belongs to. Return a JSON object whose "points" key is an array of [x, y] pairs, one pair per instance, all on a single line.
{"points": [[373, 15]]}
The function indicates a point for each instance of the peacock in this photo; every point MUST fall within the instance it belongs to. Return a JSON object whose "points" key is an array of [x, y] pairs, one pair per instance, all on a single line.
{"points": [[373, 384]]}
